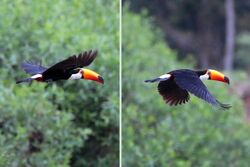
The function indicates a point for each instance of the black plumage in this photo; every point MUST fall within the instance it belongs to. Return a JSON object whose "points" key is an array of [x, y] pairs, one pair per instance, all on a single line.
{"points": [[175, 89], [172, 93], [33, 67], [60, 71], [65, 68]]}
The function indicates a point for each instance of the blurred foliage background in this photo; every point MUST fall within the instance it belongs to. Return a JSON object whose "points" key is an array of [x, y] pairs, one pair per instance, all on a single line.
{"points": [[200, 28], [191, 135], [68, 123]]}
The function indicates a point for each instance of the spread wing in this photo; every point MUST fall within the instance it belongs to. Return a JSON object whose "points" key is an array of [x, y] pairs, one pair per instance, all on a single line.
{"points": [[172, 93], [191, 82], [33, 67], [76, 61], [73, 62]]}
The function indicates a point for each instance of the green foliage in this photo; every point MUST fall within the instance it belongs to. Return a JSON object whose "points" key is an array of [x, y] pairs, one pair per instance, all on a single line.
{"points": [[242, 60], [30, 124], [71, 123], [155, 134]]}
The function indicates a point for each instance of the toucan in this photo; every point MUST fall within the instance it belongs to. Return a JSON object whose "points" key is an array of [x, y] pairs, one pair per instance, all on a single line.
{"points": [[175, 86], [68, 69]]}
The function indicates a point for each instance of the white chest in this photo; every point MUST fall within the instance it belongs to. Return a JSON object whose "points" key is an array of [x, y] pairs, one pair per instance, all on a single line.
{"points": [[75, 76], [204, 77]]}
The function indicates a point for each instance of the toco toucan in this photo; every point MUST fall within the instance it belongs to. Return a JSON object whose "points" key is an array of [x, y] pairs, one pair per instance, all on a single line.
{"points": [[68, 69], [175, 85]]}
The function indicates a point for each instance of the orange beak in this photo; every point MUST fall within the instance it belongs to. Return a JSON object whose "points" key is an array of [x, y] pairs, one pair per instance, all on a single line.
{"points": [[91, 75], [218, 76]]}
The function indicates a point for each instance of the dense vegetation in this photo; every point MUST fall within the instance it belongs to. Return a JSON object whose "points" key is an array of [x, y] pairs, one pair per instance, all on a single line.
{"points": [[199, 28], [72, 123], [154, 134]]}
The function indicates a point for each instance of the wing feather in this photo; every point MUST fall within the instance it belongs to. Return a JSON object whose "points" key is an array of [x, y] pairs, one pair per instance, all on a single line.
{"points": [[172, 93], [76, 61], [33, 67], [190, 81]]}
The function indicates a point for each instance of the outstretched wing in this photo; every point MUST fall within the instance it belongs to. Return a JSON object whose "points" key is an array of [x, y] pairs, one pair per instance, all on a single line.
{"points": [[172, 93], [190, 81], [33, 67], [76, 61], [59, 70]]}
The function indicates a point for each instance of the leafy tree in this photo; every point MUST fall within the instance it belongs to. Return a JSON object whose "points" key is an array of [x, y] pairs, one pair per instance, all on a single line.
{"points": [[69, 123], [199, 27]]}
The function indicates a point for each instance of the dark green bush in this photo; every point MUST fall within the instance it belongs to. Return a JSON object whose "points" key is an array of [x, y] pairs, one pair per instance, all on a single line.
{"points": [[71, 123]]}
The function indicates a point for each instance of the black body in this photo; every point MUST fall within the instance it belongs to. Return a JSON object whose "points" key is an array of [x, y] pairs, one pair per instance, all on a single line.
{"points": [[65, 68], [175, 90], [62, 70]]}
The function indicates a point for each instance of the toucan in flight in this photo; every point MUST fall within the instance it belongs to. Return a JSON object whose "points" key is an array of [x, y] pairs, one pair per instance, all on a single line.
{"points": [[175, 86], [68, 69]]}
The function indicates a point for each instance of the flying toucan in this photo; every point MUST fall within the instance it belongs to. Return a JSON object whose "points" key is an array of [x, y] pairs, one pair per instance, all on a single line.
{"points": [[175, 85], [68, 69]]}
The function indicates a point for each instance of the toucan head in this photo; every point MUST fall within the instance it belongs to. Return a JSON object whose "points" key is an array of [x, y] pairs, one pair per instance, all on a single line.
{"points": [[214, 75], [91, 75]]}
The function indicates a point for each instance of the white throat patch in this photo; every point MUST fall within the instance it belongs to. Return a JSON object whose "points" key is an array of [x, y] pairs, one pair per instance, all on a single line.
{"points": [[76, 76], [204, 77]]}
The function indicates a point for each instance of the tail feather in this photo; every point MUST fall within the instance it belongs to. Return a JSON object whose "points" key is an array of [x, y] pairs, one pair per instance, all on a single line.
{"points": [[24, 80], [224, 106], [152, 80]]}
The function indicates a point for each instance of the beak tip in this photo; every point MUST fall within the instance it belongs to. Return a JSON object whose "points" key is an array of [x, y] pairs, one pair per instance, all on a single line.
{"points": [[100, 79], [226, 79]]}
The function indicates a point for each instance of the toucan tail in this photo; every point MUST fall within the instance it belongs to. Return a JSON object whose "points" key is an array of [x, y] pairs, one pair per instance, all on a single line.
{"points": [[153, 80], [224, 106], [24, 80]]}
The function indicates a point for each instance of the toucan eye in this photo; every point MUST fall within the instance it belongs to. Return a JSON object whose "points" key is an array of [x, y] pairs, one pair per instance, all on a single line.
{"points": [[209, 75], [81, 72]]}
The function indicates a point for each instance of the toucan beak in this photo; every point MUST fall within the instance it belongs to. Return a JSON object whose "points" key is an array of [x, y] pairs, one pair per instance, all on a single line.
{"points": [[92, 75], [218, 76], [100, 79]]}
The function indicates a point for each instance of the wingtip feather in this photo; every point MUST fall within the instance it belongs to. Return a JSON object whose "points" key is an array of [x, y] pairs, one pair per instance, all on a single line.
{"points": [[224, 106]]}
